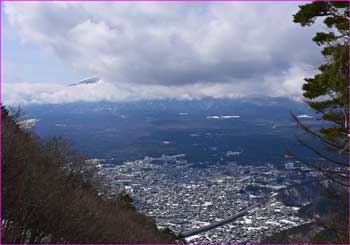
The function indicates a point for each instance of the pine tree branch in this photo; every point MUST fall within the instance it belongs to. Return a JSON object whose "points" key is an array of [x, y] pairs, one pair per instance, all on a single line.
{"points": [[320, 154], [308, 102], [313, 133], [320, 170]]}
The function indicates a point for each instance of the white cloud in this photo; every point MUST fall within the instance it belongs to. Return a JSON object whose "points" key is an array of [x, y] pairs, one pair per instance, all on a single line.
{"points": [[286, 85], [175, 50]]}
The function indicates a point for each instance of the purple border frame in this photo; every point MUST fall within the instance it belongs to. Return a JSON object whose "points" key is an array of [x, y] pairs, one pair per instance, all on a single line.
{"points": [[304, 1], [190, 1]]}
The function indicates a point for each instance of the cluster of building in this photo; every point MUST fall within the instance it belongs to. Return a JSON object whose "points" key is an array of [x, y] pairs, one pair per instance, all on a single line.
{"points": [[185, 196]]}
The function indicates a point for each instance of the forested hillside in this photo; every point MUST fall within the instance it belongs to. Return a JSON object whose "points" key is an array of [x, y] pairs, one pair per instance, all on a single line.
{"points": [[48, 196]]}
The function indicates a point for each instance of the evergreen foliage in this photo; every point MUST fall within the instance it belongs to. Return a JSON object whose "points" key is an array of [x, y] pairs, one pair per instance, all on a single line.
{"points": [[328, 91], [328, 94]]}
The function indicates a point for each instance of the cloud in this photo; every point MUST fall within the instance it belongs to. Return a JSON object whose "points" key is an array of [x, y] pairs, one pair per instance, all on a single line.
{"points": [[220, 49], [289, 84]]}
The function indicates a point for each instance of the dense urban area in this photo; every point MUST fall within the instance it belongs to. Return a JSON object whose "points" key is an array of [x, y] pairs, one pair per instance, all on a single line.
{"points": [[185, 197]]}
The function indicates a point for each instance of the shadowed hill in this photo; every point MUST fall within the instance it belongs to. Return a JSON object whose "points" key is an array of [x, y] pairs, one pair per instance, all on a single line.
{"points": [[48, 197]]}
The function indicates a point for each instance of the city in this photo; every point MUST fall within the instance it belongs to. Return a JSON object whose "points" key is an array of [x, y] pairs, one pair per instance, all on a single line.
{"points": [[183, 196]]}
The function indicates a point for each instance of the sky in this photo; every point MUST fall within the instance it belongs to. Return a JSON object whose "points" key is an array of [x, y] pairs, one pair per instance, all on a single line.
{"points": [[150, 50]]}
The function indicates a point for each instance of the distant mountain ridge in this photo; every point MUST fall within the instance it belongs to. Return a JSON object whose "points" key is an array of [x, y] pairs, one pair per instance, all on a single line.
{"points": [[89, 80]]}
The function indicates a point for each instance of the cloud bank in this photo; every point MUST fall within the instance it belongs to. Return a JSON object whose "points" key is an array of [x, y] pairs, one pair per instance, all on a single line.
{"points": [[166, 50], [39, 93]]}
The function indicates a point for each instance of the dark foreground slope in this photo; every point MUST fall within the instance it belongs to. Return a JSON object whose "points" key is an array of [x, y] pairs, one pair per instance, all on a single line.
{"points": [[48, 197]]}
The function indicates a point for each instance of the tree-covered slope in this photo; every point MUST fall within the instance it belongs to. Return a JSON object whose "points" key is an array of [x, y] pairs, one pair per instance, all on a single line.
{"points": [[48, 196]]}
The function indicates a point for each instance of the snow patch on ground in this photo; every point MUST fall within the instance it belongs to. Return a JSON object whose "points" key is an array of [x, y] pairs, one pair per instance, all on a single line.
{"points": [[28, 123]]}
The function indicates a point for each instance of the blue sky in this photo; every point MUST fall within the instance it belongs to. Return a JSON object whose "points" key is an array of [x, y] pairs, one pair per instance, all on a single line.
{"points": [[154, 51], [28, 62]]}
